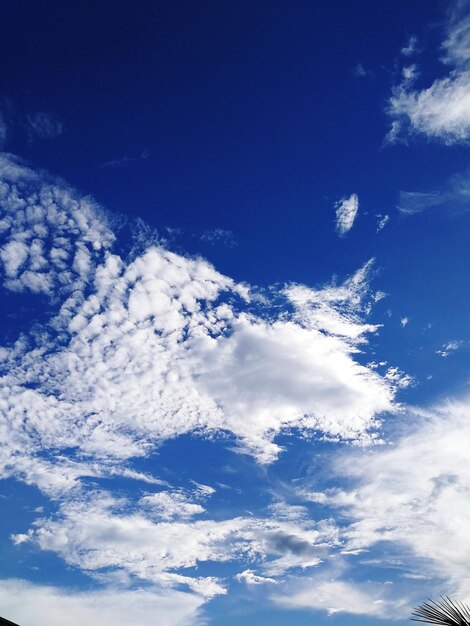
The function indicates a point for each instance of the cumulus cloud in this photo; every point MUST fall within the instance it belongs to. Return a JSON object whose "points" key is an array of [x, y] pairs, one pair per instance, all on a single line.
{"points": [[346, 211], [440, 111], [51, 238]]}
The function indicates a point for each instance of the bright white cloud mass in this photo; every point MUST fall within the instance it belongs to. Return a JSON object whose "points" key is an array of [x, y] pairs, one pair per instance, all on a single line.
{"points": [[440, 111], [213, 360]]}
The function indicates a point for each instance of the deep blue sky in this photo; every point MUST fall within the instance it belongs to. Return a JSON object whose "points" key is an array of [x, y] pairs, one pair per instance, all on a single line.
{"points": [[233, 131]]}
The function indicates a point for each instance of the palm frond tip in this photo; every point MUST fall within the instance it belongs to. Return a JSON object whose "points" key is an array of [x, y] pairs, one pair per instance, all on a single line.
{"points": [[446, 612]]}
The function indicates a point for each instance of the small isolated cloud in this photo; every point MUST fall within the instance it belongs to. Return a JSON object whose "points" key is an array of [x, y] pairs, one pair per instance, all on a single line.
{"points": [[411, 47], [126, 160], [346, 211], [448, 348], [382, 221], [359, 71], [440, 111], [404, 321], [219, 236], [43, 125]]}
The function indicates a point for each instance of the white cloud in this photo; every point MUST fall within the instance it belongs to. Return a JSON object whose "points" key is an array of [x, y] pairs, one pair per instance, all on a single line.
{"points": [[414, 497], [411, 47], [346, 211], [453, 195], [250, 578], [448, 348], [99, 536], [206, 367], [440, 111], [125, 160], [382, 221], [168, 505], [143, 348], [338, 596], [43, 605]]}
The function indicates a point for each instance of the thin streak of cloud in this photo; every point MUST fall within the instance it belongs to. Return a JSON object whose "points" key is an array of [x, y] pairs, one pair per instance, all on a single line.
{"points": [[125, 160]]}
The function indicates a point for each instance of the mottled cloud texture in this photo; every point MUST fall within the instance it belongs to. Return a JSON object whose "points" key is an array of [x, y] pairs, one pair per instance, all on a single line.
{"points": [[137, 346]]}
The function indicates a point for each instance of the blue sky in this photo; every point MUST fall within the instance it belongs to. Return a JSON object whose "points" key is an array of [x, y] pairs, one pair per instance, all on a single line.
{"points": [[234, 357]]}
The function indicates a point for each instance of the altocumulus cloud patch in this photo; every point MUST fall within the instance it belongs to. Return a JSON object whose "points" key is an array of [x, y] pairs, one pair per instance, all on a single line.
{"points": [[138, 349]]}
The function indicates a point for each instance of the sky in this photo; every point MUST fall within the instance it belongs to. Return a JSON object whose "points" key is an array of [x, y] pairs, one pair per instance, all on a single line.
{"points": [[234, 258]]}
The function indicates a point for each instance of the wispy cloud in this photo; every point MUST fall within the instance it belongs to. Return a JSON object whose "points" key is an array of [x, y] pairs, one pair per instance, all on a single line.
{"points": [[440, 111], [43, 125], [412, 497], [338, 596], [219, 236], [448, 348], [346, 211], [382, 221], [43, 605], [454, 195], [126, 160], [411, 47], [359, 71]]}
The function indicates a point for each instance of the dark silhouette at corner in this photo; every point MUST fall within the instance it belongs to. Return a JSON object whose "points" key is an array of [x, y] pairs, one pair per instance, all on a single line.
{"points": [[446, 612]]}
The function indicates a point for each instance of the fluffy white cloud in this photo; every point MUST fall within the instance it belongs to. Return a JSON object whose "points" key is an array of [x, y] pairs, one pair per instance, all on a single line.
{"points": [[43, 605], [346, 211], [167, 505], [250, 578], [204, 367], [51, 238], [442, 110]]}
